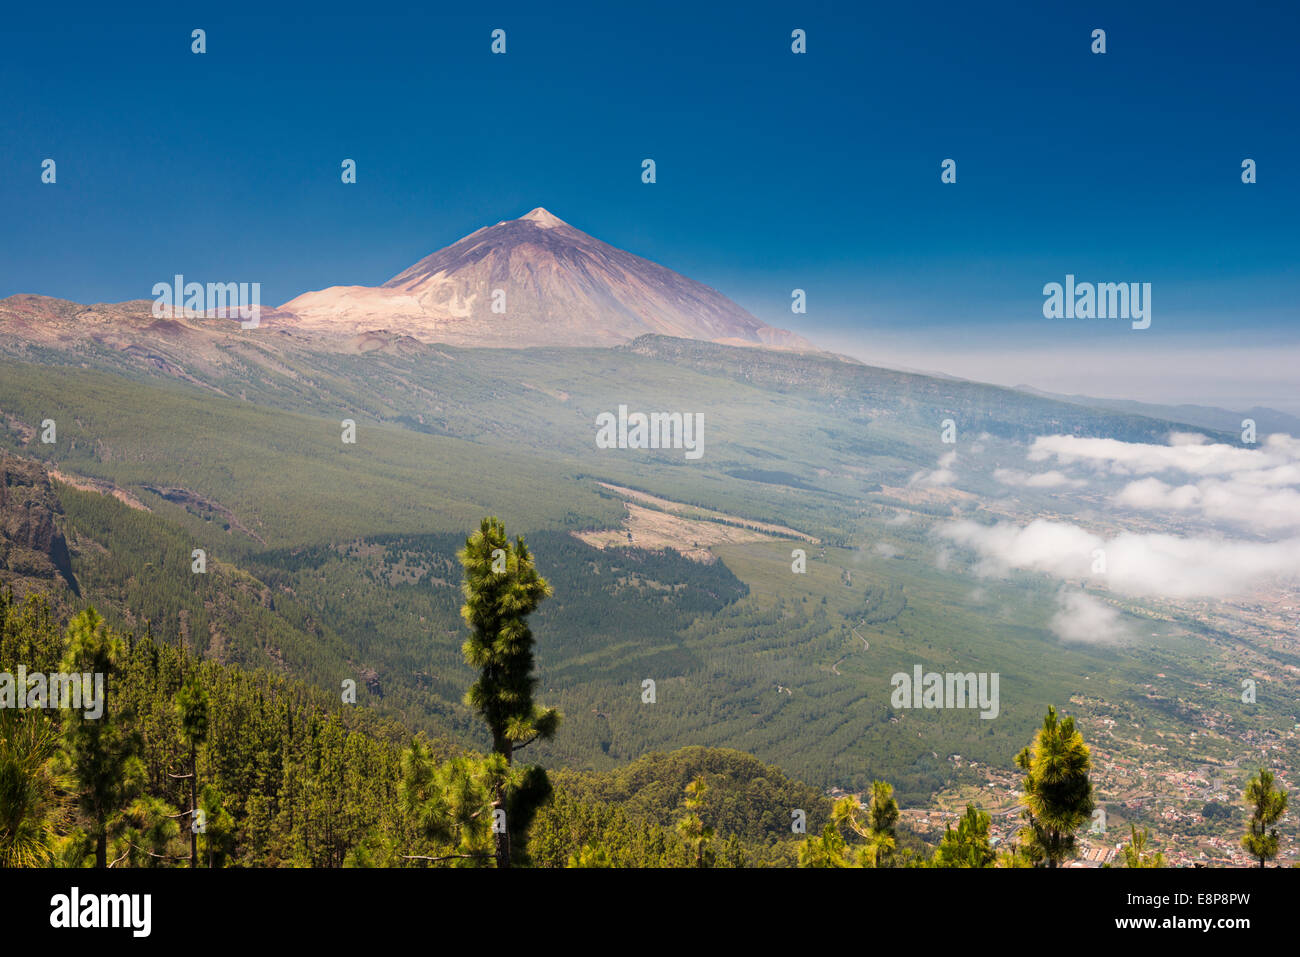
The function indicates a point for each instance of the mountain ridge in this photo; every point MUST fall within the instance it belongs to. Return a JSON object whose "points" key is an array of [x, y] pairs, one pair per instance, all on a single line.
{"points": [[1202, 416]]}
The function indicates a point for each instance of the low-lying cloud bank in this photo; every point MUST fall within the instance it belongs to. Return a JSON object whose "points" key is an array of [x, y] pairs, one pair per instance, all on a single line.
{"points": [[1251, 488], [1186, 452], [1240, 501], [1135, 564]]}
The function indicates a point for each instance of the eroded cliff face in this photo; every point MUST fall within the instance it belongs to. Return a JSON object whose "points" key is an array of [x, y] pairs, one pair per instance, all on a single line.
{"points": [[32, 549]]}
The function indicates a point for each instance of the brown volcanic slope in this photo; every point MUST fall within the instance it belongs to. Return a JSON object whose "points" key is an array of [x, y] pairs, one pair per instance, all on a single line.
{"points": [[33, 552], [562, 288]]}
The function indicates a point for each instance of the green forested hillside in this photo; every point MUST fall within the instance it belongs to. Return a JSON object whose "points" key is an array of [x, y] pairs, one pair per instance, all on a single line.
{"points": [[717, 646], [293, 776], [330, 562]]}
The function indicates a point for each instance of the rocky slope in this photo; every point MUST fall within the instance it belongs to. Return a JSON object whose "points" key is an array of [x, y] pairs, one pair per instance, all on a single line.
{"points": [[33, 551]]}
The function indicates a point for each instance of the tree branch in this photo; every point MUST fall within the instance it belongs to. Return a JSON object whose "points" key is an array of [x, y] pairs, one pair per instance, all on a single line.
{"points": [[165, 857], [520, 747]]}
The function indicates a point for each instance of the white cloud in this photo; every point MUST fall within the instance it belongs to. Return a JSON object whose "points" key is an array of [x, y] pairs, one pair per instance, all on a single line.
{"points": [[1151, 493], [1050, 479], [1083, 618], [943, 475], [1140, 458], [1240, 500], [1150, 565], [1255, 488]]}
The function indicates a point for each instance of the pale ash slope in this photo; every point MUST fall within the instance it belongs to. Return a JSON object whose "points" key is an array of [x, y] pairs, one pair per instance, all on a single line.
{"points": [[562, 288]]}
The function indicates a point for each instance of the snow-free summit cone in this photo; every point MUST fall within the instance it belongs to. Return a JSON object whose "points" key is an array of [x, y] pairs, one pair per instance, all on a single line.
{"points": [[536, 281]]}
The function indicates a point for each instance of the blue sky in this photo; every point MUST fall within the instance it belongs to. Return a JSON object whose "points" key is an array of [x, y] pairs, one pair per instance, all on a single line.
{"points": [[775, 171]]}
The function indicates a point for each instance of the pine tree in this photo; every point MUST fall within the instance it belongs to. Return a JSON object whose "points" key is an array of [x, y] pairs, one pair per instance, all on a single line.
{"points": [[502, 588], [883, 808], [968, 845], [32, 803], [449, 805], [192, 709], [880, 827], [1266, 804], [590, 855], [697, 835], [1058, 791], [829, 850], [1135, 851], [1014, 857], [102, 753], [146, 829], [218, 834]]}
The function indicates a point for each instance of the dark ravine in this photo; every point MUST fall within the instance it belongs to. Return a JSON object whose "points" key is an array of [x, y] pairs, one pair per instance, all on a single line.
{"points": [[32, 549]]}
